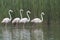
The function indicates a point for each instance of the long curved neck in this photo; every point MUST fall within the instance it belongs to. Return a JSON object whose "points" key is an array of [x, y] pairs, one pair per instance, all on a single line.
{"points": [[41, 17], [20, 14], [10, 15], [28, 16]]}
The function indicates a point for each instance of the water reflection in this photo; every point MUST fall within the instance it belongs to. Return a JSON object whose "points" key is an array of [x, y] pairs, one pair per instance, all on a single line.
{"points": [[15, 33], [37, 34], [25, 34], [6, 34], [22, 34]]}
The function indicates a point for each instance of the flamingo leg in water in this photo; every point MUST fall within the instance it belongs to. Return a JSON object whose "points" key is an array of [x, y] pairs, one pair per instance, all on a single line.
{"points": [[33, 26], [6, 33], [31, 30], [6, 26], [3, 32], [23, 29], [17, 32], [24, 26], [17, 25]]}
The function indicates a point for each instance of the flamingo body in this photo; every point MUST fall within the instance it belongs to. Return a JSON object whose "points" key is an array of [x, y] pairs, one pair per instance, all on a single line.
{"points": [[6, 20], [24, 20], [36, 20], [16, 20]]}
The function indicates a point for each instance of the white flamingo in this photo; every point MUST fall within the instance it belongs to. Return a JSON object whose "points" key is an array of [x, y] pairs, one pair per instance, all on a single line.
{"points": [[6, 32], [7, 20], [38, 20], [17, 20], [25, 20]]}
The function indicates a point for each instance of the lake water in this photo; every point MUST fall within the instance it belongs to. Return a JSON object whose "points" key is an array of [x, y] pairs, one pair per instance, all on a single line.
{"points": [[13, 33], [21, 34]]}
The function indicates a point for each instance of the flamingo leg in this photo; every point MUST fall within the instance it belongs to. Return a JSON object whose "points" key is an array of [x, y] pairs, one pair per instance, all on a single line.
{"points": [[6, 26], [16, 32], [6, 33], [33, 26], [17, 25], [24, 26], [32, 30], [3, 32]]}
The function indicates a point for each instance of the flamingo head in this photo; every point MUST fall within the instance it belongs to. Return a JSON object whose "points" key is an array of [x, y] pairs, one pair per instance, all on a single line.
{"points": [[21, 10], [28, 12], [10, 10], [42, 13]]}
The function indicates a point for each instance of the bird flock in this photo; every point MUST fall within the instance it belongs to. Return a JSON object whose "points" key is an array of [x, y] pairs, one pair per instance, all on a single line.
{"points": [[22, 20], [18, 20]]}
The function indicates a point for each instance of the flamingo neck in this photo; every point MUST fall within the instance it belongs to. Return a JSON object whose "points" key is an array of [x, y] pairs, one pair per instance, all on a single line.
{"points": [[28, 16], [21, 14], [10, 15], [41, 17]]}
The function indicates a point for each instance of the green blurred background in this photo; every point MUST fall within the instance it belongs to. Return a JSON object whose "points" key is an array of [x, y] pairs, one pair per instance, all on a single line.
{"points": [[51, 8]]}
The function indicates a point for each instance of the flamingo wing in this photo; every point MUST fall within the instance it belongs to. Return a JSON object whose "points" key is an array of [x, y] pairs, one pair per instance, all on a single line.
{"points": [[23, 20]]}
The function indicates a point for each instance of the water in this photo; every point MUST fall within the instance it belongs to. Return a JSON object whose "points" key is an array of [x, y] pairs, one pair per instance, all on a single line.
{"points": [[6, 35], [25, 34], [15, 33], [22, 34], [37, 34]]}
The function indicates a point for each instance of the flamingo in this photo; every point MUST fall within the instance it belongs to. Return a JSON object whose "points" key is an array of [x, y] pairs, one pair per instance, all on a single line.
{"points": [[7, 20], [38, 20], [25, 20], [17, 20], [25, 33]]}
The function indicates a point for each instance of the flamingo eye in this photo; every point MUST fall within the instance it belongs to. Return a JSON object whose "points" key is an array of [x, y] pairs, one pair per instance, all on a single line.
{"points": [[43, 13]]}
